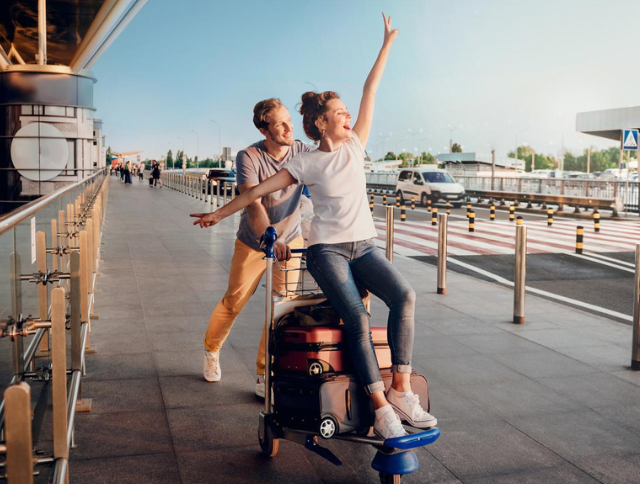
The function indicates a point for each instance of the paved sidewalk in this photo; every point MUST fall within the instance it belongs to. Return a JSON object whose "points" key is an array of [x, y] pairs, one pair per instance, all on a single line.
{"points": [[552, 401]]}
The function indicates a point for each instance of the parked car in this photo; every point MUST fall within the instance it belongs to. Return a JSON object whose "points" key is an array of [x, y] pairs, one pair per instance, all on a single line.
{"points": [[614, 174], [426, 184], [218, 176]]}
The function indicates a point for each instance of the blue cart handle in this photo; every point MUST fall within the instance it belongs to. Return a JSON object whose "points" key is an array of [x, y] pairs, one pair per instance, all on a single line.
{"points": [[268, 240], [299, 251]]}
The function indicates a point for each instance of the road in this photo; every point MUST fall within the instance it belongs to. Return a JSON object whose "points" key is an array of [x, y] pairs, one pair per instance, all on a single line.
{"points": [[600, 280]]}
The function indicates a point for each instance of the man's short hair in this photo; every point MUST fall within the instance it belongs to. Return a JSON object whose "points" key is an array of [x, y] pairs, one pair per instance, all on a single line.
{"points": [[263, 110]]}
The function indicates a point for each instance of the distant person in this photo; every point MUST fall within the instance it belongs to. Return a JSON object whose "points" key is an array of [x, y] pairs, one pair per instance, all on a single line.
{"points": [[140, 171], [155, 173], [127, 172], [279, 209], [341, 251]]}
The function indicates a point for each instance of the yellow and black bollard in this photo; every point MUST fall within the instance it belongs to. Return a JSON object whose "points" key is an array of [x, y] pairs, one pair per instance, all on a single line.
{"points": [[384, 199], [403, 213], [579, 239], [596, 220], [469, 208], [519, 220], [371, 205], [549, 217], [472, 221], [434, 216], [413, 203], [492, 213], [512, 213], [428, 205], [448, 208], [397, 200]]}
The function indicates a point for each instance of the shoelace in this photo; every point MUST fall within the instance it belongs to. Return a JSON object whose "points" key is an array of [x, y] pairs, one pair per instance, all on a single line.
{"points": [[212, 363], [414, 405]]}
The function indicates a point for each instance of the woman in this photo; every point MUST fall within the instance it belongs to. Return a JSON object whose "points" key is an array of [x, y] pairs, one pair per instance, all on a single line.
{"points": [[341, 252]]}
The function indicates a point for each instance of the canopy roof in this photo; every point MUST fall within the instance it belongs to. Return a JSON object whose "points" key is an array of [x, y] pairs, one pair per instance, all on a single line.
{"points": [[77, 32]]}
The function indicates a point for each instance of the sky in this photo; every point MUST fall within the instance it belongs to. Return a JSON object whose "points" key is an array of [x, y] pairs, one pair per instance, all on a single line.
{"points": [[485, 73]]}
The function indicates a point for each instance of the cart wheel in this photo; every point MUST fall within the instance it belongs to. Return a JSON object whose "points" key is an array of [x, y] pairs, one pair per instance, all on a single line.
{"points": [[268, 445], [328, 427], [315, 369], [390, 478]]}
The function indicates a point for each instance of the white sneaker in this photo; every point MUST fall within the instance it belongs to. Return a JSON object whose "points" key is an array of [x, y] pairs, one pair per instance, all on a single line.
{"points": [[409, 409], [260, 386], [387, 424], [212, 370]]}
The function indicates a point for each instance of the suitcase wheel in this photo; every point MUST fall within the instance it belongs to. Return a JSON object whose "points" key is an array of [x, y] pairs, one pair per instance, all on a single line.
{"points": [[315, 369], [328, 427]]}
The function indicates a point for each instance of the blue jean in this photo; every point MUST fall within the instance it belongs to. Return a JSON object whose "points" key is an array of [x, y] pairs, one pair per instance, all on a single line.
{"points": [[339, 269]]}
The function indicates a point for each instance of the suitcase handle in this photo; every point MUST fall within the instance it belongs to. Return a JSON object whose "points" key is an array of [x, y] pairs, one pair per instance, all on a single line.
{"points": [[299, 251]]}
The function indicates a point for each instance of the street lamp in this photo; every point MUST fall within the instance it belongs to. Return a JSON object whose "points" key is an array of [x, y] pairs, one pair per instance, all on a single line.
{"points": [[219, 149], [398, 143], [451, 129], [197, 148]]}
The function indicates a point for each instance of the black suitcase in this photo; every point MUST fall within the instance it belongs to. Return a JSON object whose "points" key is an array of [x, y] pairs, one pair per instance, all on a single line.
{"points": [[330, 404], [151, 180]]}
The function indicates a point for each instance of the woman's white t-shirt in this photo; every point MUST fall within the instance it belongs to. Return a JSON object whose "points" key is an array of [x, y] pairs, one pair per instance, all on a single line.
{"points": [[338, 188]]}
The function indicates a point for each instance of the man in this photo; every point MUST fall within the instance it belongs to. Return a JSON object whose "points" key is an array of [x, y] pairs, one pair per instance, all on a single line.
{"points": [[280, 209]]}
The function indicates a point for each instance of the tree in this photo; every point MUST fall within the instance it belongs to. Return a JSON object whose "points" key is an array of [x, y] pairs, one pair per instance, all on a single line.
{"points": [[456, 148], [169, 158], [390, 156], [427, 158]]}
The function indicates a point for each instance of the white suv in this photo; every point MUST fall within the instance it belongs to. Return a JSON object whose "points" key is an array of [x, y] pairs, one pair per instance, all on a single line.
{"points": [[425, 184]]}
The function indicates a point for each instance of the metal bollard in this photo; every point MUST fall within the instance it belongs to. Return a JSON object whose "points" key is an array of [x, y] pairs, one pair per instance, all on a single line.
{"points": [[596, 221], [233, 191], [389, 248], [442, 253], [579, 239], [492, 212], [413, 203], [448, 210], [549, 217], [403, 213], [434, 216], [519, 281], [384, 200], [635, 346], [224, 192], [512, 213], [472, 221]]}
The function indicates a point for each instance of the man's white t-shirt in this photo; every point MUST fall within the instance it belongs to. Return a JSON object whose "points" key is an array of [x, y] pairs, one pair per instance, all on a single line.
{"points": [[338, 190]]}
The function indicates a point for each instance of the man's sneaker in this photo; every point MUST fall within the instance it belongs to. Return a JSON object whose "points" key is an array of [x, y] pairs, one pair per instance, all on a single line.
{"points": [[409, 409], [260, 386], [387, 424], [212, 370]]}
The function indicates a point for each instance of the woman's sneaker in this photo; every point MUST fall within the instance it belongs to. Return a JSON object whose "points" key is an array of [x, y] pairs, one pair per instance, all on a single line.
{"points": [[212, 370], [408, 407], [387, 424]]}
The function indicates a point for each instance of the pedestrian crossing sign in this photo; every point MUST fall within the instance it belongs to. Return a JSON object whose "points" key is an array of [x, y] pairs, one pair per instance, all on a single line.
{"points": [[630, 139]]}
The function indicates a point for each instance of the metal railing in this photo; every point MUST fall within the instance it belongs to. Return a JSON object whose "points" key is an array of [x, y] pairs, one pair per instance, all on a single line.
{"points": [[49, 251]]}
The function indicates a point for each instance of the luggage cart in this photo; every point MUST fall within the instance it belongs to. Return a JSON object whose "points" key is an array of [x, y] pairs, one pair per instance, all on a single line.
{"points": [[394, 458]]}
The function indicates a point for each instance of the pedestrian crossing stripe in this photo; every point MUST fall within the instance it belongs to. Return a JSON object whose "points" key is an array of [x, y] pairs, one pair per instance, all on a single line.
{"points": [[630, 139], [499, 238]]}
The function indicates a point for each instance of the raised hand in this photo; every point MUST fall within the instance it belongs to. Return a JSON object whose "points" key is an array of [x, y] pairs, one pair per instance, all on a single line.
{"points": [[389, 33]]}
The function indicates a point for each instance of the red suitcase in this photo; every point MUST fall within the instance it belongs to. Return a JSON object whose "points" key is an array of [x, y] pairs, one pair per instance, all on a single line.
{"points": [[319, 350]]}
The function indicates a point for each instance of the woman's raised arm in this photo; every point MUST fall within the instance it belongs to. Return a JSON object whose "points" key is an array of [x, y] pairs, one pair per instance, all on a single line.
{"points": [[279, 181], [365, 114]]}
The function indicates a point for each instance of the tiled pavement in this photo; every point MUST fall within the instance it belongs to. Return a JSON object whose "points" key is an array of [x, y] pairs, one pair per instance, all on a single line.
{"points": [[552, 401]]}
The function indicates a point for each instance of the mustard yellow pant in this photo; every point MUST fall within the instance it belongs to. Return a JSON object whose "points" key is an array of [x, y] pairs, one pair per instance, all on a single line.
{"points": [[247, 268]]}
